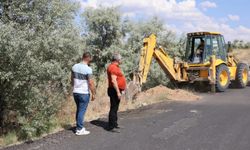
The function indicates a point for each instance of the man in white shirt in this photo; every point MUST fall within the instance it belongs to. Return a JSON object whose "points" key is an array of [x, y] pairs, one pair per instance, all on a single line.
{"points": [[83, 84]]}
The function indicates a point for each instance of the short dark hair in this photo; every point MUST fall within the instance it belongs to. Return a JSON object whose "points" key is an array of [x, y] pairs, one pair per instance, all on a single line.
{"points": [[86, 55]]}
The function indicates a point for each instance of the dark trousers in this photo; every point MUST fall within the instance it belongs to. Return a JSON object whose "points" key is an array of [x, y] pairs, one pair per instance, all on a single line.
{"points": [[114, 106]]}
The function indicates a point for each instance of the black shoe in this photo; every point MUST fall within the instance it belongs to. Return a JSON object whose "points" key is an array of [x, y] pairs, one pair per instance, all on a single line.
{"points": [[119, 127], [109, 128], [113, 129]]}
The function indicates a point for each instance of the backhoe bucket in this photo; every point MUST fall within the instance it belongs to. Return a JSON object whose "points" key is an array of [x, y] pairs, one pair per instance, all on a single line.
{"points": [[133, 87]]}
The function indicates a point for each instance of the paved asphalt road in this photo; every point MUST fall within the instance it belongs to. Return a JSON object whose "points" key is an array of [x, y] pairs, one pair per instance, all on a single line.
{"points": [[219, 121]]}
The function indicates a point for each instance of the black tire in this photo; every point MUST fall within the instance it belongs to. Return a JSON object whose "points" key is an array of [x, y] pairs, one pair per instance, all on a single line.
{"points": [[241, 78], [221, 86]]}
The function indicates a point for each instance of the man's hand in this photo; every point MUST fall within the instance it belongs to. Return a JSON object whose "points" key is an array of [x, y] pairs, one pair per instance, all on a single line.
{"points": [[119, 95], [198, 52], [72, 79], [92, 89], [92, 97]]}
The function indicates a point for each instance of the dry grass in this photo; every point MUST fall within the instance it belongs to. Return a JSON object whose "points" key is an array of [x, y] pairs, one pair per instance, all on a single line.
{"points": [[100, 107], [8, 139], [1, 141]]}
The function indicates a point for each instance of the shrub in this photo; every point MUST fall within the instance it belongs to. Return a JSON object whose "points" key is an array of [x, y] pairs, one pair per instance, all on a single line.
{"points": [[38, 45]]}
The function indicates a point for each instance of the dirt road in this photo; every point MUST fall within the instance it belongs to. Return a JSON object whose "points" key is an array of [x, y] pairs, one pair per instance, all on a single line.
{"points": [[219, 121]]}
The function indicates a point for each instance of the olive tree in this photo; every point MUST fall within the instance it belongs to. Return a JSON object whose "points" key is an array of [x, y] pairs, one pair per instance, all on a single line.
{"points": [[102, 33], [38, 44], [165, 38]]}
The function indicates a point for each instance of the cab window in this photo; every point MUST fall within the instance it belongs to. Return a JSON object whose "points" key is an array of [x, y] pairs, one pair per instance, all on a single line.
{"points": [[219, 47], [208, 48], [192, 46], [222, 46]]}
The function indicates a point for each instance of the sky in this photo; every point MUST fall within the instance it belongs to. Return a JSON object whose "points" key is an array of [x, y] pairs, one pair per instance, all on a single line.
{"points": [[230, 17]]}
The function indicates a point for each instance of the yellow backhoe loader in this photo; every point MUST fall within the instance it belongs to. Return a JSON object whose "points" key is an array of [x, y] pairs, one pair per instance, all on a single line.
{"points": [[207, 58]]}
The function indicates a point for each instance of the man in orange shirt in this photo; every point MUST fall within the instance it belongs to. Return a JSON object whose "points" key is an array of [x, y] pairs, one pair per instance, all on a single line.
{"points": [[117, 84]]}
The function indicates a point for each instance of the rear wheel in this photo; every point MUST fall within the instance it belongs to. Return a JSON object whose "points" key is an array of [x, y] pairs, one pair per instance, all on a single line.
{"points": [[222, 78], [241, 79]]}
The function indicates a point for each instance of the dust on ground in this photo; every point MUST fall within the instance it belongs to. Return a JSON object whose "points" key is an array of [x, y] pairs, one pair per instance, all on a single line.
{"points": [[242, 55]]}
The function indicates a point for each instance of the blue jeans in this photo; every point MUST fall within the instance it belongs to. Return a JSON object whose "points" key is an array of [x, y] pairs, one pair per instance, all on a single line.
{"points": [[82, 101]]}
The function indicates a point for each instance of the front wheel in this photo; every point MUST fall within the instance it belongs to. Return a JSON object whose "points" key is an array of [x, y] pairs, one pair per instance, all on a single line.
{"points": [[222, 78]]}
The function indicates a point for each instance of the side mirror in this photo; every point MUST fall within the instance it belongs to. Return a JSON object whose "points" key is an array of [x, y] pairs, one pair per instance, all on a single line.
{"points": [[229, 47]]}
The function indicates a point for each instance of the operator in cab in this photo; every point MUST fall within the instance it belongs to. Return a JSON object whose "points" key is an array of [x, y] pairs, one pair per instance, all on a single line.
{"points": [[200, 49]]}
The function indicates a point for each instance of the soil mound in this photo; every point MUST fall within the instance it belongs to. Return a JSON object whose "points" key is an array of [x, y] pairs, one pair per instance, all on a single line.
{"points": [[162, 92]]}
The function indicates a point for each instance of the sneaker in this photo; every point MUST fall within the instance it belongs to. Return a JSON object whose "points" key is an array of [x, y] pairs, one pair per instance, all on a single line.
{"points": [[83, 131]]}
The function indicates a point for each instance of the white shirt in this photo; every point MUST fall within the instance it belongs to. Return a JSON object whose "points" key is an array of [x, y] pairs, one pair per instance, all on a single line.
{"points": [[81, 74]]}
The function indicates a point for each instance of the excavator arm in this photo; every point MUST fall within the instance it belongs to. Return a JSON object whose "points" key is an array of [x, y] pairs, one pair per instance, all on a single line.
{"points": [[217, 71], [150, 51]]}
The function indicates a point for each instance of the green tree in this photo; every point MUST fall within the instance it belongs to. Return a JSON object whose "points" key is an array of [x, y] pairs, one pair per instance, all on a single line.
{"points": [[106, 32], [103, 33], [165, 38], [241, 44], [235, 43], [247, 45], [135, 33], [39, 43]]}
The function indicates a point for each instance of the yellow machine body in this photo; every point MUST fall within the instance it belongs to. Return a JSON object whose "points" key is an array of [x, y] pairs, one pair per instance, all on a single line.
{"points": [[181, 71]]}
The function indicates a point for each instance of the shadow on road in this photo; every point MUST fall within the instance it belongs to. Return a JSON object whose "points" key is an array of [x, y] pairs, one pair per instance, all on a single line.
{"points": [[69, 127], [100, 123]]}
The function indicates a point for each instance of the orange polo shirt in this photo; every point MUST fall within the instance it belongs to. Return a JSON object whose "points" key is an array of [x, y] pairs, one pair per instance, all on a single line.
{"points": [[114, 69]]}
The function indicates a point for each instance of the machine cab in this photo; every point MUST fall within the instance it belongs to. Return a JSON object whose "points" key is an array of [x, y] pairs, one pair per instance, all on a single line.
{"points": [[201, 45]]}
